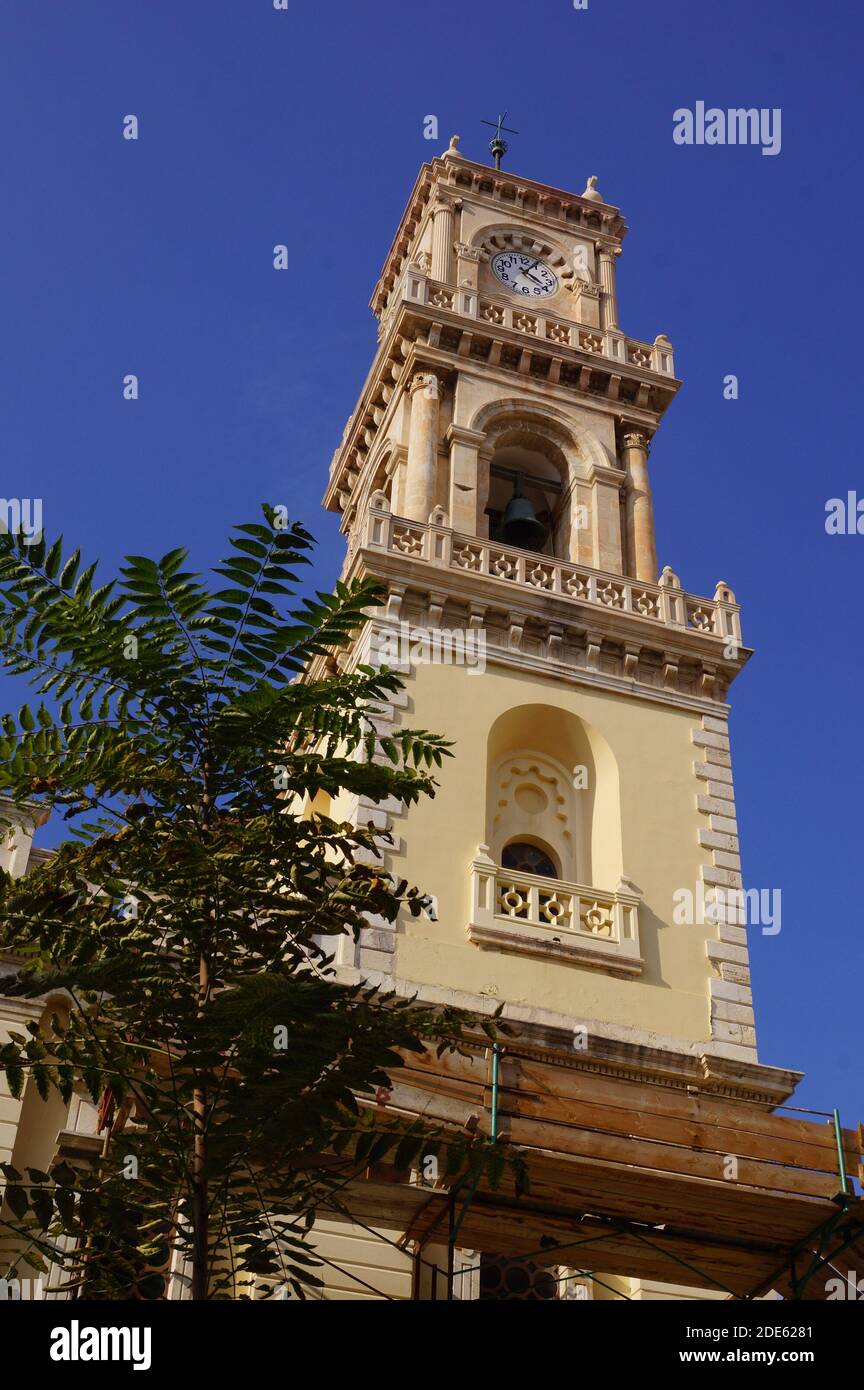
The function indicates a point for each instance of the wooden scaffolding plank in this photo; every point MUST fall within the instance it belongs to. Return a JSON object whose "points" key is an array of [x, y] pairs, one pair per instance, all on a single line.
{"points": [[498, 1222], [704, 1138], [648, 1154], [571, 1139], [496, 1227], [642, 1164], [629, 1121], [588, 1183], [740, 1116], [563, 1083]]}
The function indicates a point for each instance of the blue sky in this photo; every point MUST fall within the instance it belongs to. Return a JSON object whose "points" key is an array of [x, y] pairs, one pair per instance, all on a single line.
{"points": [[306, 127]]}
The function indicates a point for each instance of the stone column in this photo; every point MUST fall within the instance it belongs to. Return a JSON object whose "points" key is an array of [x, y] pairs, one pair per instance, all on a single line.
{"points": [[609, 302], [442, 239], [641, 543], [421, 466], [465, 512]]}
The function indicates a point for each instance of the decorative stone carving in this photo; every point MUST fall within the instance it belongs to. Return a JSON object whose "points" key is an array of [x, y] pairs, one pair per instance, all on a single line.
{"points": [[428, 383], [634, 439], [554, 919]]}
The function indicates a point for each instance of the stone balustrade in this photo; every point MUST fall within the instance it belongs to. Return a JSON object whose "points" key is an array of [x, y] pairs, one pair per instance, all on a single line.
{"points": [[664, 603], [529, 913], [547, 329]]}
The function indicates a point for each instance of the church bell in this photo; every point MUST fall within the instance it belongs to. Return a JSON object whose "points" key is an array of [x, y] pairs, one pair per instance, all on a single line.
{"points": [[520, 525]]}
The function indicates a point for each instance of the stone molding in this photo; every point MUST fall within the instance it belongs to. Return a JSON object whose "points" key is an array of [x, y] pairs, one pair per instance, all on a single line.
{"points": [[565, 951], [545, 938], [613, 1050], [604, 380], [562, 211], [460, 434], [733, 1024], [660, 655]]}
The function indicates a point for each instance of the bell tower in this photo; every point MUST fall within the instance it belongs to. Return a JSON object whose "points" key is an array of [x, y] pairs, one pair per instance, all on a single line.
{"points": [[582, 850]]}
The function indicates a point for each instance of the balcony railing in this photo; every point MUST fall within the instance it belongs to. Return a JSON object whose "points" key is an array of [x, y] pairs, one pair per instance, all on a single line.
{"points": [[532, 915], [665, 603], [546, 329]]}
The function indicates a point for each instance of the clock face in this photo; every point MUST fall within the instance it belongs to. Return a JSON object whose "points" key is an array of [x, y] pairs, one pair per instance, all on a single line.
{"points": [[524, 275]]}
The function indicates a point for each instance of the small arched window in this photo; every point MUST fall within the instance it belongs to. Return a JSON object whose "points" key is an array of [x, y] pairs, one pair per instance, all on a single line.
{"points": [[528, 859]]}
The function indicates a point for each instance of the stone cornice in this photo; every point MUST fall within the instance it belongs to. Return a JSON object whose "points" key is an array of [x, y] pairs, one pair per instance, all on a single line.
{"points": [[614, 1051], [628, 633], [614, 685], [585, 677], [500, 189], [563, 951], [413, 343], [507, 179], [408, 223]]}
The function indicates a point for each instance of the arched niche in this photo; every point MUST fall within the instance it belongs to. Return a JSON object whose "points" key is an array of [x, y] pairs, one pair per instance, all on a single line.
{"points": [[552, 780], [541, 466], [556, 458]]}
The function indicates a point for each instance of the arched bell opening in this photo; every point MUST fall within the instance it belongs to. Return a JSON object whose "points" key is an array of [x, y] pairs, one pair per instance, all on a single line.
{"points": [[528, 504]]}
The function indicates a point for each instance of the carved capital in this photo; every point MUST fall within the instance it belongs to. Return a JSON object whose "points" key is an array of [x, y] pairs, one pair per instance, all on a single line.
{"points": [[608, 250], [428, 383], [635, 439], [467, 253], [443, 202]]}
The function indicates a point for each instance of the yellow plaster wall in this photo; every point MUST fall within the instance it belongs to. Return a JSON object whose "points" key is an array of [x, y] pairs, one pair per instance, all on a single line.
{"points": [[660, 852]]}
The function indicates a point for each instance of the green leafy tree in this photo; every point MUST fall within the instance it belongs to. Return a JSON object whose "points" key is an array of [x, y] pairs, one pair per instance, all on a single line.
{"points": [[184, 732]]}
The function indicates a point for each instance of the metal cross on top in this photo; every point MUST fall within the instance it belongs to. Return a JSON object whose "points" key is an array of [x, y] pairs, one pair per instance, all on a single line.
{"points": [[497, 146]]}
